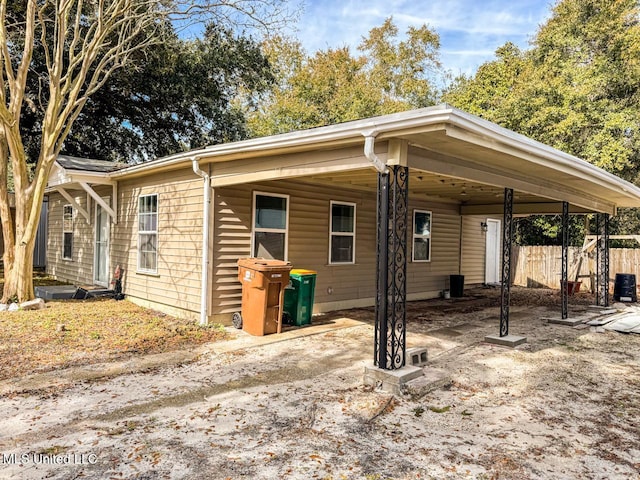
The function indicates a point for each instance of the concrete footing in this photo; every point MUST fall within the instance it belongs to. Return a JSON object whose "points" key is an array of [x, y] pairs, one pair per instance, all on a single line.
{"points": [[506, 341], [391, 381], [571, 322], [433, 379]]}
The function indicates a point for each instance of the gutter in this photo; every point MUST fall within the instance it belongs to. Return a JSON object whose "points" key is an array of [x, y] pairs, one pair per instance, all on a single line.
{"points": [[388, 125], [369, 152], [205, 238]]}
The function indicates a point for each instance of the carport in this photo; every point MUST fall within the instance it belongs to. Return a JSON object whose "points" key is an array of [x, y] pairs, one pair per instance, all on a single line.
{"points": [[441, 154], [446, 154]]}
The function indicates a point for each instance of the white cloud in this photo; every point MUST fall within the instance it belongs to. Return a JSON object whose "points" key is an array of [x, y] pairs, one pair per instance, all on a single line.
{"points": [[470, 31]]}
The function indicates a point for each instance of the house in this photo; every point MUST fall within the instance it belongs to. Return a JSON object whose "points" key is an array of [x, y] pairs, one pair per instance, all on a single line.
{"points": [[312, 197]]}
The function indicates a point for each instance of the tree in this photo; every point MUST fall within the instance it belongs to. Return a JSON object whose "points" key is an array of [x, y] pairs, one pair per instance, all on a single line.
{"points": [[179, 97], [333, 86], [82, 44], [576, 89]]}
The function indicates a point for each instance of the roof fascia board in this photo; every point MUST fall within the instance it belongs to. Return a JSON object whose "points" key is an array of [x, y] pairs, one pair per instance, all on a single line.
{"points": [[97, 178], [382, 127], [290, 166], [470, 127], [61, 176]]}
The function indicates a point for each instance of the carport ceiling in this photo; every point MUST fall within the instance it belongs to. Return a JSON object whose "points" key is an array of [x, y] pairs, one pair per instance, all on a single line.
{"points": [[475, 197]]}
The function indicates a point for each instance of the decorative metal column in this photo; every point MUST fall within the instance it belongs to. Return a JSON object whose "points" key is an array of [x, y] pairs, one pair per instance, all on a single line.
{"points": [[382, 272], [391, 295], [507, 240], [564, 285], [602, 297]]}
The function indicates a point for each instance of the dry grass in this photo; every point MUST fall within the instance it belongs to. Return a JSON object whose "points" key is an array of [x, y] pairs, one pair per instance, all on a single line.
{"points": [[77, 332]]}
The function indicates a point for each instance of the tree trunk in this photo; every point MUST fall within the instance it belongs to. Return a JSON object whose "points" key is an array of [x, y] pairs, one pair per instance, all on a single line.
{"points": [[19, 279], [18, 274]]}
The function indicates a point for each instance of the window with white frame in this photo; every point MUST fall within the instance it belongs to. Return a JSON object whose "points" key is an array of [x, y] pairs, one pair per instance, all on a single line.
{"points": [[148, 233], [421, 236], [270, 225], [342, 233], [67, 232]]}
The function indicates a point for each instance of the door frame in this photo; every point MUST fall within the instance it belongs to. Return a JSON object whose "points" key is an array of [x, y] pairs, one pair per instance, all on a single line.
{"points": [[95, 241], [497, 249]]}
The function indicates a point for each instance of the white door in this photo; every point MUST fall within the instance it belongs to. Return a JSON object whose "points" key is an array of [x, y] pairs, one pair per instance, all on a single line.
{"points": [[493, 250], [101, 251]]}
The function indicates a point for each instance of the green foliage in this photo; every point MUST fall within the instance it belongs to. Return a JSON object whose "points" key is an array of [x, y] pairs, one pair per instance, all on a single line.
{"points": [[545, 230], [444, 409], [333, 86], [179, 96], [577, 89]]}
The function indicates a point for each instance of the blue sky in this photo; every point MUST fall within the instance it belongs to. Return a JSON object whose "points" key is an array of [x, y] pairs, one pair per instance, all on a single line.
{"points": [[470, 30]]}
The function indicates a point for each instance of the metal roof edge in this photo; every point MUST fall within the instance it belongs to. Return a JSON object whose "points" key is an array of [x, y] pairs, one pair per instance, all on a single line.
{"points": [[353, 129], [385, 126], [517, 140]]}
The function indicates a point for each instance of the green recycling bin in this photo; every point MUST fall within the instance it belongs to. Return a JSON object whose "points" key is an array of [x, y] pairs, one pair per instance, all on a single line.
{"points": [[298, 296]]}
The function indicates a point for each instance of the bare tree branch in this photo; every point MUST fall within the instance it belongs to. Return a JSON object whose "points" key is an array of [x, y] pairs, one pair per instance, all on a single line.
{"points": [[81, 42]]}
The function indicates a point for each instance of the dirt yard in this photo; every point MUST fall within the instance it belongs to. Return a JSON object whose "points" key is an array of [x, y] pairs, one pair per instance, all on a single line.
{"points": [[565, 405]]}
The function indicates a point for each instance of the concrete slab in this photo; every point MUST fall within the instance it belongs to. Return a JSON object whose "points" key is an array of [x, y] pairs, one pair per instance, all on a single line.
{"points": [[596, 322], [391, 381], [506, 341], [245, 340], [581, 326], [432, 379], [571, 322], [602, 310]]}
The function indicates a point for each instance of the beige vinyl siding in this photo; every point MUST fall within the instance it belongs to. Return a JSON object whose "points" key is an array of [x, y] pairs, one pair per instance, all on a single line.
{"points": [[308, 240], [473, 249], [175, 287], [78, 270], [337, 286], [428, 279]]}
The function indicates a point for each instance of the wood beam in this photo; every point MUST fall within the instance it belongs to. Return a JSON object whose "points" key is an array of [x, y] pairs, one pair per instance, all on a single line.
{"points": [[542, 208], [74, 204], [87, 188]]}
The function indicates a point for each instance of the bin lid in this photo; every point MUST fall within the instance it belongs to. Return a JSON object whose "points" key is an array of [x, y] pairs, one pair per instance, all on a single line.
{"points": [[264, 264], [303, 271]]}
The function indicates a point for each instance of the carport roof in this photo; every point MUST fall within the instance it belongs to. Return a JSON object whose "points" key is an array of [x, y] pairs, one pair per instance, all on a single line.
{"points": [[439, 141]]}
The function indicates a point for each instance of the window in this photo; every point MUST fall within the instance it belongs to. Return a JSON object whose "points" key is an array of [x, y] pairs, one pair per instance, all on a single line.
{"points": [[342, 233], [67, 232], [148, 233], [421, 236], [270, 225]]}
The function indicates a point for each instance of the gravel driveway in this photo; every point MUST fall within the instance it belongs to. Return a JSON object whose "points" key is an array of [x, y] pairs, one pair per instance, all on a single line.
{"points": [[565, 405]]}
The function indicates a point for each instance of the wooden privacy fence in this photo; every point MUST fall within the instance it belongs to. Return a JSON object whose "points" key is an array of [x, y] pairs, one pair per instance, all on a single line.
{"points": [[541, 266]]}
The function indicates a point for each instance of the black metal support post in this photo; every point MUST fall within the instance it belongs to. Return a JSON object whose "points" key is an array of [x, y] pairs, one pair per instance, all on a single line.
{"points": [[382, 252], [602, 297], [564, 281], [391, 295], [507, 239]]}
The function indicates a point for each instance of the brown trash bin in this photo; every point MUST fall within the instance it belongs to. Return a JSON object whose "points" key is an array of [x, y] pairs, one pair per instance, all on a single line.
{"points": [[263, 283]]}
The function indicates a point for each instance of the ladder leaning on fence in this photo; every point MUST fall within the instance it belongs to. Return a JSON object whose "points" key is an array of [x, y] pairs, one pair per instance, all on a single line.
{"points": [[587, 256]]}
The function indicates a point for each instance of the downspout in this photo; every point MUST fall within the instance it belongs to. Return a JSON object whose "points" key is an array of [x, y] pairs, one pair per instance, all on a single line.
{"points": [[205, 238], [369, 152]]}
